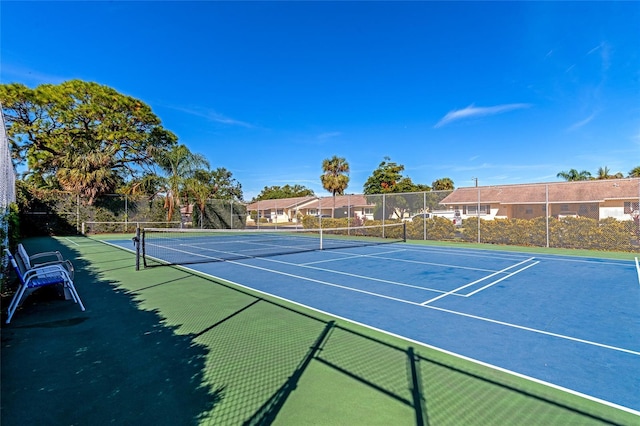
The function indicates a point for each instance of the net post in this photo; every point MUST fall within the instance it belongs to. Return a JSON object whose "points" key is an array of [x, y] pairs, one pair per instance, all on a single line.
{"points": [[142, 248], [320, 238], [136, 243], [404, 232]]}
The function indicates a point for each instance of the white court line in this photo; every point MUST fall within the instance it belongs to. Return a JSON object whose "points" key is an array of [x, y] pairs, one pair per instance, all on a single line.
{"points": [[348, 256], [501, 279], [419, 262], [307, 266], [72, 242], [466, 252], [539, 255], [476, 317], [454, 291], [638, 269]]}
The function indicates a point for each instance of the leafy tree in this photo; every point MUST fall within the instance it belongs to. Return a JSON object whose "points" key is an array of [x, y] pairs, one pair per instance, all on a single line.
{"points": [[384, 179], [444, 184], [635, 172], [574, 175], [225, 186], [81, 136], [387, 179], [287, 191], [335, 177]]}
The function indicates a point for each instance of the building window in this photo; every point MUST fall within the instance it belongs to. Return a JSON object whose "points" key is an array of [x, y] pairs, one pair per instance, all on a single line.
{"points": [[472, 209], [279, 212], [368, 210]]}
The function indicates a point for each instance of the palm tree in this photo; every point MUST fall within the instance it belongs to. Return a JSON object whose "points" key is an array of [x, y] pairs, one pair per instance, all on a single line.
{"points": [[335, 177], [603, 173], [574, 175], [149, 184], [178, 164], [88, 173], [201, 189], [635, 172]]}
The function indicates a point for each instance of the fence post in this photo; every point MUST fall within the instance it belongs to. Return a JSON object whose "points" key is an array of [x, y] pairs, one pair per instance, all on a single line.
{"points": [[424, 219], [546, 196], [384, 211], [77, 212], [478, 210]]}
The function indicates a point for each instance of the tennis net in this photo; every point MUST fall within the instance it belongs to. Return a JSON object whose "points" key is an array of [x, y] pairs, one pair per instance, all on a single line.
{"points": [[170, 246]]}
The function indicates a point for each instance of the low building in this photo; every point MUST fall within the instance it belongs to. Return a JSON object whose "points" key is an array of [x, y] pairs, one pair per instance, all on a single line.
{"points": [[596, 199], [291, 210]]}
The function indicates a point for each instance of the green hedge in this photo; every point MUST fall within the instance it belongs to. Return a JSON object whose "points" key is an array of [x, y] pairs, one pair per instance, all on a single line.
{"points": [[572, 232], [437, 228]]}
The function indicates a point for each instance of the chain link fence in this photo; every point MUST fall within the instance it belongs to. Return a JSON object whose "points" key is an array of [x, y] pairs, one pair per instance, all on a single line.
{"points": [[596, 215], [63, 213], [7, 190]]}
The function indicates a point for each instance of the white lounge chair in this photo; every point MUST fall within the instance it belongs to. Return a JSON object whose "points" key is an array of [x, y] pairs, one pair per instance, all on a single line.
{"points": [[44, 259], [38, 277]]}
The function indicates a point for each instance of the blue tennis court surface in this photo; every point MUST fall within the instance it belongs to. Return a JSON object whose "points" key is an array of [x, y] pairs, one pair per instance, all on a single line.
{"points": [[568, 321]]}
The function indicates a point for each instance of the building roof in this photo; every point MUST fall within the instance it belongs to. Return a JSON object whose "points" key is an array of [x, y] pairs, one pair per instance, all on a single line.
{"points": [[356, 200], [557, 192], [281, 203]]}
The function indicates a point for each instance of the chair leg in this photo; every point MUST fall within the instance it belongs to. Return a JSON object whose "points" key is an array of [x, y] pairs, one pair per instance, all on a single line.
{"points": [[15, 302], [74, 294]]}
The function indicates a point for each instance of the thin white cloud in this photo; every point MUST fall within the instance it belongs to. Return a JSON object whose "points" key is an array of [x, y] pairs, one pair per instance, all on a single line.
{"points": [[581, 123], [329, 135], [212, 116], [219, 118], [474, 112], [595, 49]]}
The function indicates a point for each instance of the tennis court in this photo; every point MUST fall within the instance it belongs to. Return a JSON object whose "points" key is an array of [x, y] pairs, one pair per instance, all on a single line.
{"points": [[572, 322]]}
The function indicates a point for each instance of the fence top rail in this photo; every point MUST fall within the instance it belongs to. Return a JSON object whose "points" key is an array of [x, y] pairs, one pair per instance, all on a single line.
{"points": [[130, 221]]}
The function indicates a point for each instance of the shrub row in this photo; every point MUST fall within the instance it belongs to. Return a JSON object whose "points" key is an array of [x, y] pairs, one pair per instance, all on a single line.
{"points": [[571, 232]]}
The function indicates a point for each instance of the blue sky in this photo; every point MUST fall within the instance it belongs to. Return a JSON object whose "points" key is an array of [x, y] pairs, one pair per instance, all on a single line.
{"points": [[508, 92]]}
